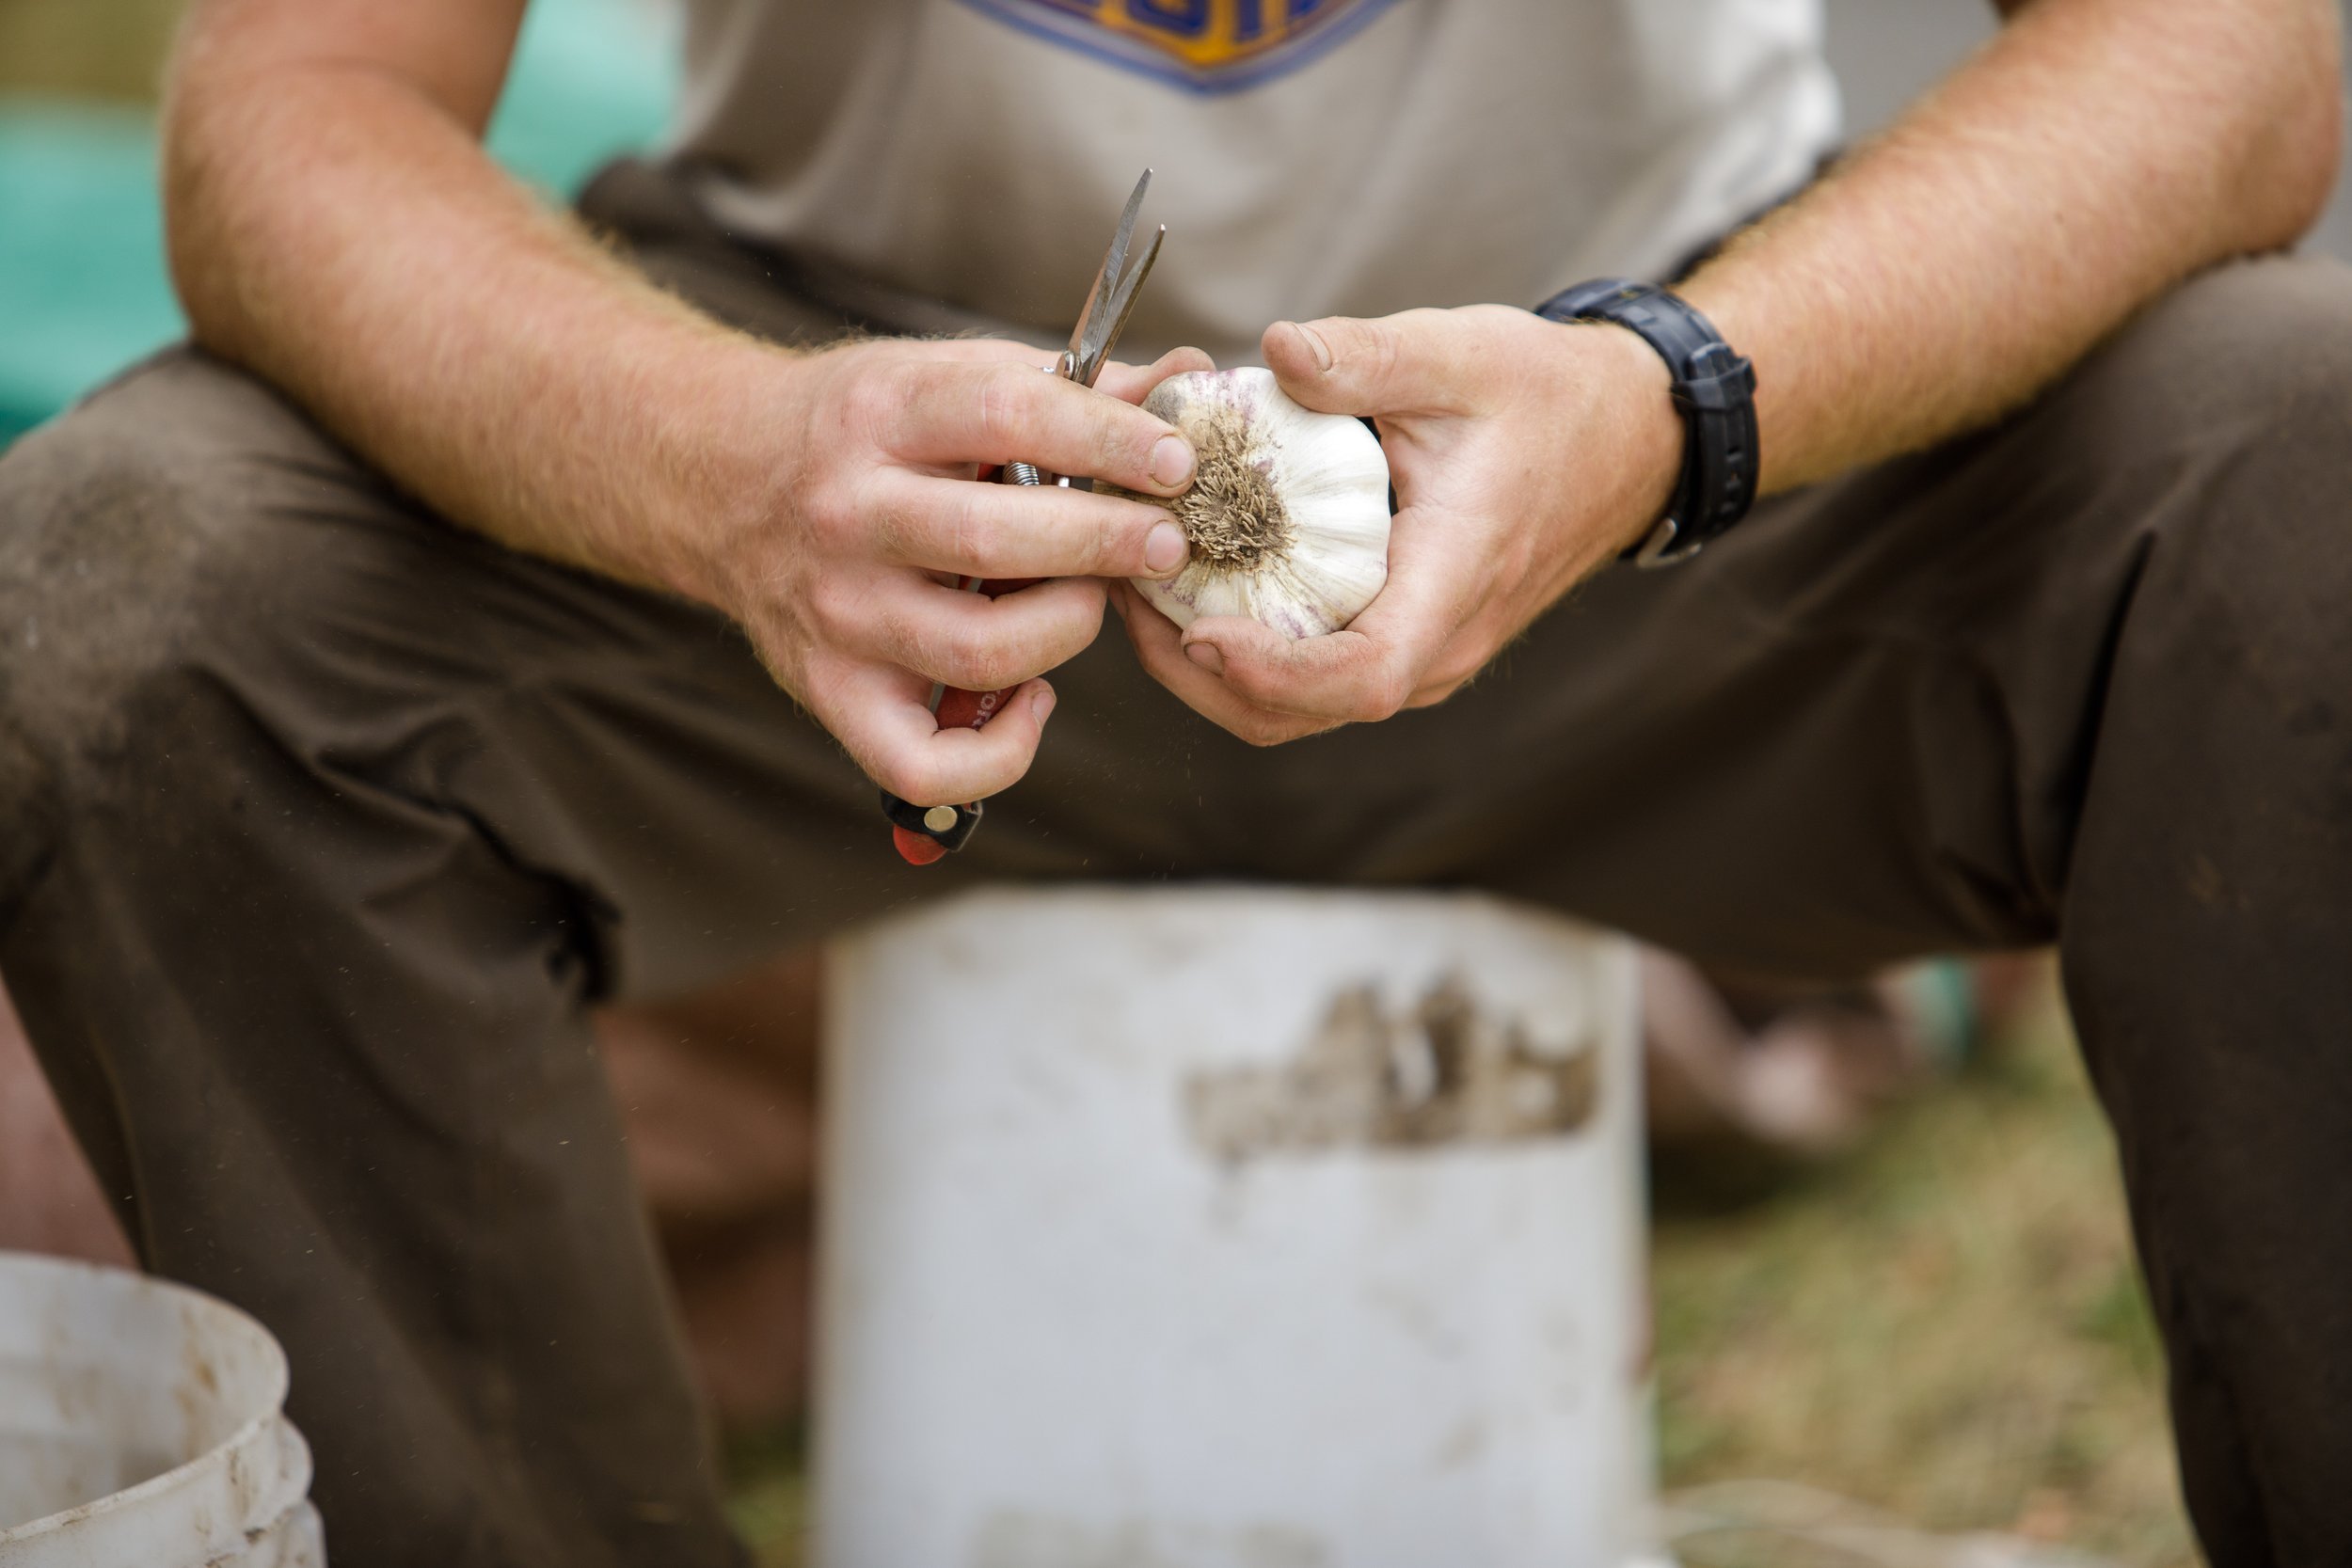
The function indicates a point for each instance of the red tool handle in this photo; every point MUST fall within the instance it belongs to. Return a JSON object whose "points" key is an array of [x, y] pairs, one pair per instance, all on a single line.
{"points": [[958, 709]]}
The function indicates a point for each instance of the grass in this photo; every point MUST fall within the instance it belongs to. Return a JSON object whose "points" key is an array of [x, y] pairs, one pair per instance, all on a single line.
{"points": [[1946, 1323], [768, 1479], [1943, 1322]]}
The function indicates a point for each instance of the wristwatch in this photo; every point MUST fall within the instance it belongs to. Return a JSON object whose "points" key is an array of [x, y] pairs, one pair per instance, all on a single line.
{"points": [[1713, 389]]}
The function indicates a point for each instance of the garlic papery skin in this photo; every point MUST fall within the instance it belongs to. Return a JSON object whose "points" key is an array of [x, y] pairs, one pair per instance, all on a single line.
{"points": [[1288, 513]]}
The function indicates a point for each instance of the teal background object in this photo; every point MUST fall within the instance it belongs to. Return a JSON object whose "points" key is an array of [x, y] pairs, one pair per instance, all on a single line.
{"points": [[83, 290], [83, 286], [81, 252]]}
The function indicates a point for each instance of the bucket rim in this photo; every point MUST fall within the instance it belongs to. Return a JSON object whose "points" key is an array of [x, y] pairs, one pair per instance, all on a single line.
{"points": [[257, 1436]]}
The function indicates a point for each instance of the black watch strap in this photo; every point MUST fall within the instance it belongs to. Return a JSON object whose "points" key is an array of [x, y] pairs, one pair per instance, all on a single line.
{"points": [[1715, 390]]}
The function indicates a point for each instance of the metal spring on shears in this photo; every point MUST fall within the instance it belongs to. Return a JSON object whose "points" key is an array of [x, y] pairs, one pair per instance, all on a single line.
{"points": [[1023, 473]]}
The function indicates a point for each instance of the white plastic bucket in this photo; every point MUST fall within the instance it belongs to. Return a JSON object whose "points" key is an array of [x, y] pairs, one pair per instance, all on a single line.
{"points": [[1232, 1229], [140, 1427]]}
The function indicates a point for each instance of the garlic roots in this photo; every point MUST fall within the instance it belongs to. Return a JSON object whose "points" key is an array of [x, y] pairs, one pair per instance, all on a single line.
{"points": [[1288, 513]]}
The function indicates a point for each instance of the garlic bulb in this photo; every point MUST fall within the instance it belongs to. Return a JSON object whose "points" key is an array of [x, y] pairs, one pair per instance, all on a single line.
{"points": [[1288, 513]]}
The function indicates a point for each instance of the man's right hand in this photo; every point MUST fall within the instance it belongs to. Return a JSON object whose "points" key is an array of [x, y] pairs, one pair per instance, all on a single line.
{"points": [[335, 227], [843, 569]]}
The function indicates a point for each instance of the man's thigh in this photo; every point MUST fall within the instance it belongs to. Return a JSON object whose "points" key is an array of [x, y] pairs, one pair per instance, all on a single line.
{"points": [[186, 525], [1854, 730]]}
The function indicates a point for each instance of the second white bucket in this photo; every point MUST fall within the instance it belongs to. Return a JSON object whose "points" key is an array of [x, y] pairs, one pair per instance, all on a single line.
{"points": [[140, 1427], [1232, 1229]]}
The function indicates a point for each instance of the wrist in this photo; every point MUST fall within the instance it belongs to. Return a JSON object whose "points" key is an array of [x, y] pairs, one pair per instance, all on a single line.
{"points": [[724, 450], [1647, 429], [1712, 389], [1612, 389]]}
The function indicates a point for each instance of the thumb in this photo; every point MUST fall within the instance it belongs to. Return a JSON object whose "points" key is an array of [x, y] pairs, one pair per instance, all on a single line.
{"points": [[1348, 365]]}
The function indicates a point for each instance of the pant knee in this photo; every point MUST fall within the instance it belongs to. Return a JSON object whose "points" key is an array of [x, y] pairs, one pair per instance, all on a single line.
{"points": [[137, 535], [2241, 382], [2225, 414]]}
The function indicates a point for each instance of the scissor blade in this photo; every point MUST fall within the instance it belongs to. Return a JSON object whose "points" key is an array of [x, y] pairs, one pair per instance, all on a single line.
{"points": [[1091, 318], [1118, 256], [1122, 305]]}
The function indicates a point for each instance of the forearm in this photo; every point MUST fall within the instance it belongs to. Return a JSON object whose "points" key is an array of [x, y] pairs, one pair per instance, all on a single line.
{"points": [[344, 235], [2094, 155]]}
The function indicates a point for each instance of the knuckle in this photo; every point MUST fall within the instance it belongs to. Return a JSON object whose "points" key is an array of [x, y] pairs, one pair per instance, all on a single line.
{"points": [[1123, 438], [978, 661], [836, 515], [1002, 404], [911, 778], [877, 398], [858, 499], [1451, 676], [1361, 346], [1384, 694], [819, 679], [1442, 691], [1263, 729], [871, 523], [975, 539], [1114, 547], [835, 610]]}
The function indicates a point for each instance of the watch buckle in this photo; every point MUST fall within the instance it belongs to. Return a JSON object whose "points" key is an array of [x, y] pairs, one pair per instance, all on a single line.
{"points": [[1659, 548]]}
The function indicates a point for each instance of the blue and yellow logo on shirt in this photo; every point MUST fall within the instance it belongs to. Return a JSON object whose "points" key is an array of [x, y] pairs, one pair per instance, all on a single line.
{"points": [[1203, 45]]}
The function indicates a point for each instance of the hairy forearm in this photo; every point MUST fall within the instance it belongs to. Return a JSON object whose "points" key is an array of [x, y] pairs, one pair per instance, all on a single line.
{"points": [[338, 232], [2093, 155]]}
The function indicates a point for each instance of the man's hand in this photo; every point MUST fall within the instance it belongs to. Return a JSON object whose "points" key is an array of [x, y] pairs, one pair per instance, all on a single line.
{"points": [[322, 168], [1525, 456], [844, 568], [2095, 154]]}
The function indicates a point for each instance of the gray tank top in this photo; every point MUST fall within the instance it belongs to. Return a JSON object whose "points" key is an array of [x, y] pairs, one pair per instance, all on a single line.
{"points": [[1314, 157]]}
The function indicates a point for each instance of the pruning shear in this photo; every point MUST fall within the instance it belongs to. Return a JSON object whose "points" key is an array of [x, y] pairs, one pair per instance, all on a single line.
{"points": [[927, 834]]}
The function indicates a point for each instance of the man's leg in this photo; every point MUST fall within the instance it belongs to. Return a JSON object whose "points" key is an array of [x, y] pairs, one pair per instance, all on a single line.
{"points": [[2207, 937], [2086, 675], [2166, 684], [326, 823]]}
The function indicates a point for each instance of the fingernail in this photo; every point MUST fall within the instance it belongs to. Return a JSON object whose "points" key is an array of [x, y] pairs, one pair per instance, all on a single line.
{"points": [[1164, 547], [1316, 345], [1171, 460], [1043, 703], [1206, 656]]}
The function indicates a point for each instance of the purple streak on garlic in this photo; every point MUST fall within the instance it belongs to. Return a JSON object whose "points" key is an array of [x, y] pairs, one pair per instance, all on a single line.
{"points": [[1288, 513]]}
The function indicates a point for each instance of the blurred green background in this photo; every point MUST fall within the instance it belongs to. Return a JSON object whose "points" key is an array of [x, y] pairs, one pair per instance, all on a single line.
{"points": [[83, 290]]}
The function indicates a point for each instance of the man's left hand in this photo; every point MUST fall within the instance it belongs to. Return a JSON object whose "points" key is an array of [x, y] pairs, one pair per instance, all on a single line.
{"points": [[1525, 455]]}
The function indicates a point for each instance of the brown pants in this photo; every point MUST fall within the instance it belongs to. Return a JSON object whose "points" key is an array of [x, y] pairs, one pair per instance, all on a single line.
{"points": [[324, 821]]}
